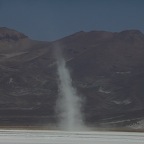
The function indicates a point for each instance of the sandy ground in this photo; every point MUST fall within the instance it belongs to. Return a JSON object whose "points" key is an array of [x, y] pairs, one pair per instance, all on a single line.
{"points": [[63, 137]]}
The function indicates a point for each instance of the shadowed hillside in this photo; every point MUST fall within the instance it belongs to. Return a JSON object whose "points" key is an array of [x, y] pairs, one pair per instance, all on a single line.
{"points": [[107, 69]]}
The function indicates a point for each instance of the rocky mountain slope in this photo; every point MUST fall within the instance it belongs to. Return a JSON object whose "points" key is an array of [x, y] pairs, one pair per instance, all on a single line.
{"points": [[107, 69]]}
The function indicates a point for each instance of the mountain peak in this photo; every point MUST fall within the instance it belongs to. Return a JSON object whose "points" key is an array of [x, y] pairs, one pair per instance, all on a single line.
{"points": [[10, 34], [131, 34]]}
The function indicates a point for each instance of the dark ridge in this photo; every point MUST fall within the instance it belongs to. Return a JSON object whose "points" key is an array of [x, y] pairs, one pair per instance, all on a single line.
{"points": [[9, 34], [131, 35]]}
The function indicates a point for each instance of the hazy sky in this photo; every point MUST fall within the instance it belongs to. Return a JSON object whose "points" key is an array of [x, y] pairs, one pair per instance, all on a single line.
{"points": [[53, 19]]}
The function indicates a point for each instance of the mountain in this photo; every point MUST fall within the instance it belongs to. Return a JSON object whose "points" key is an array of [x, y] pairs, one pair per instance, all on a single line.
{"points": [[107, 68]]}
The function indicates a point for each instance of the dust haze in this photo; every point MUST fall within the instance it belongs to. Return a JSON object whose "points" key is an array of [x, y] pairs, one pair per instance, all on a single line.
{"points": [[69, 103]]}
